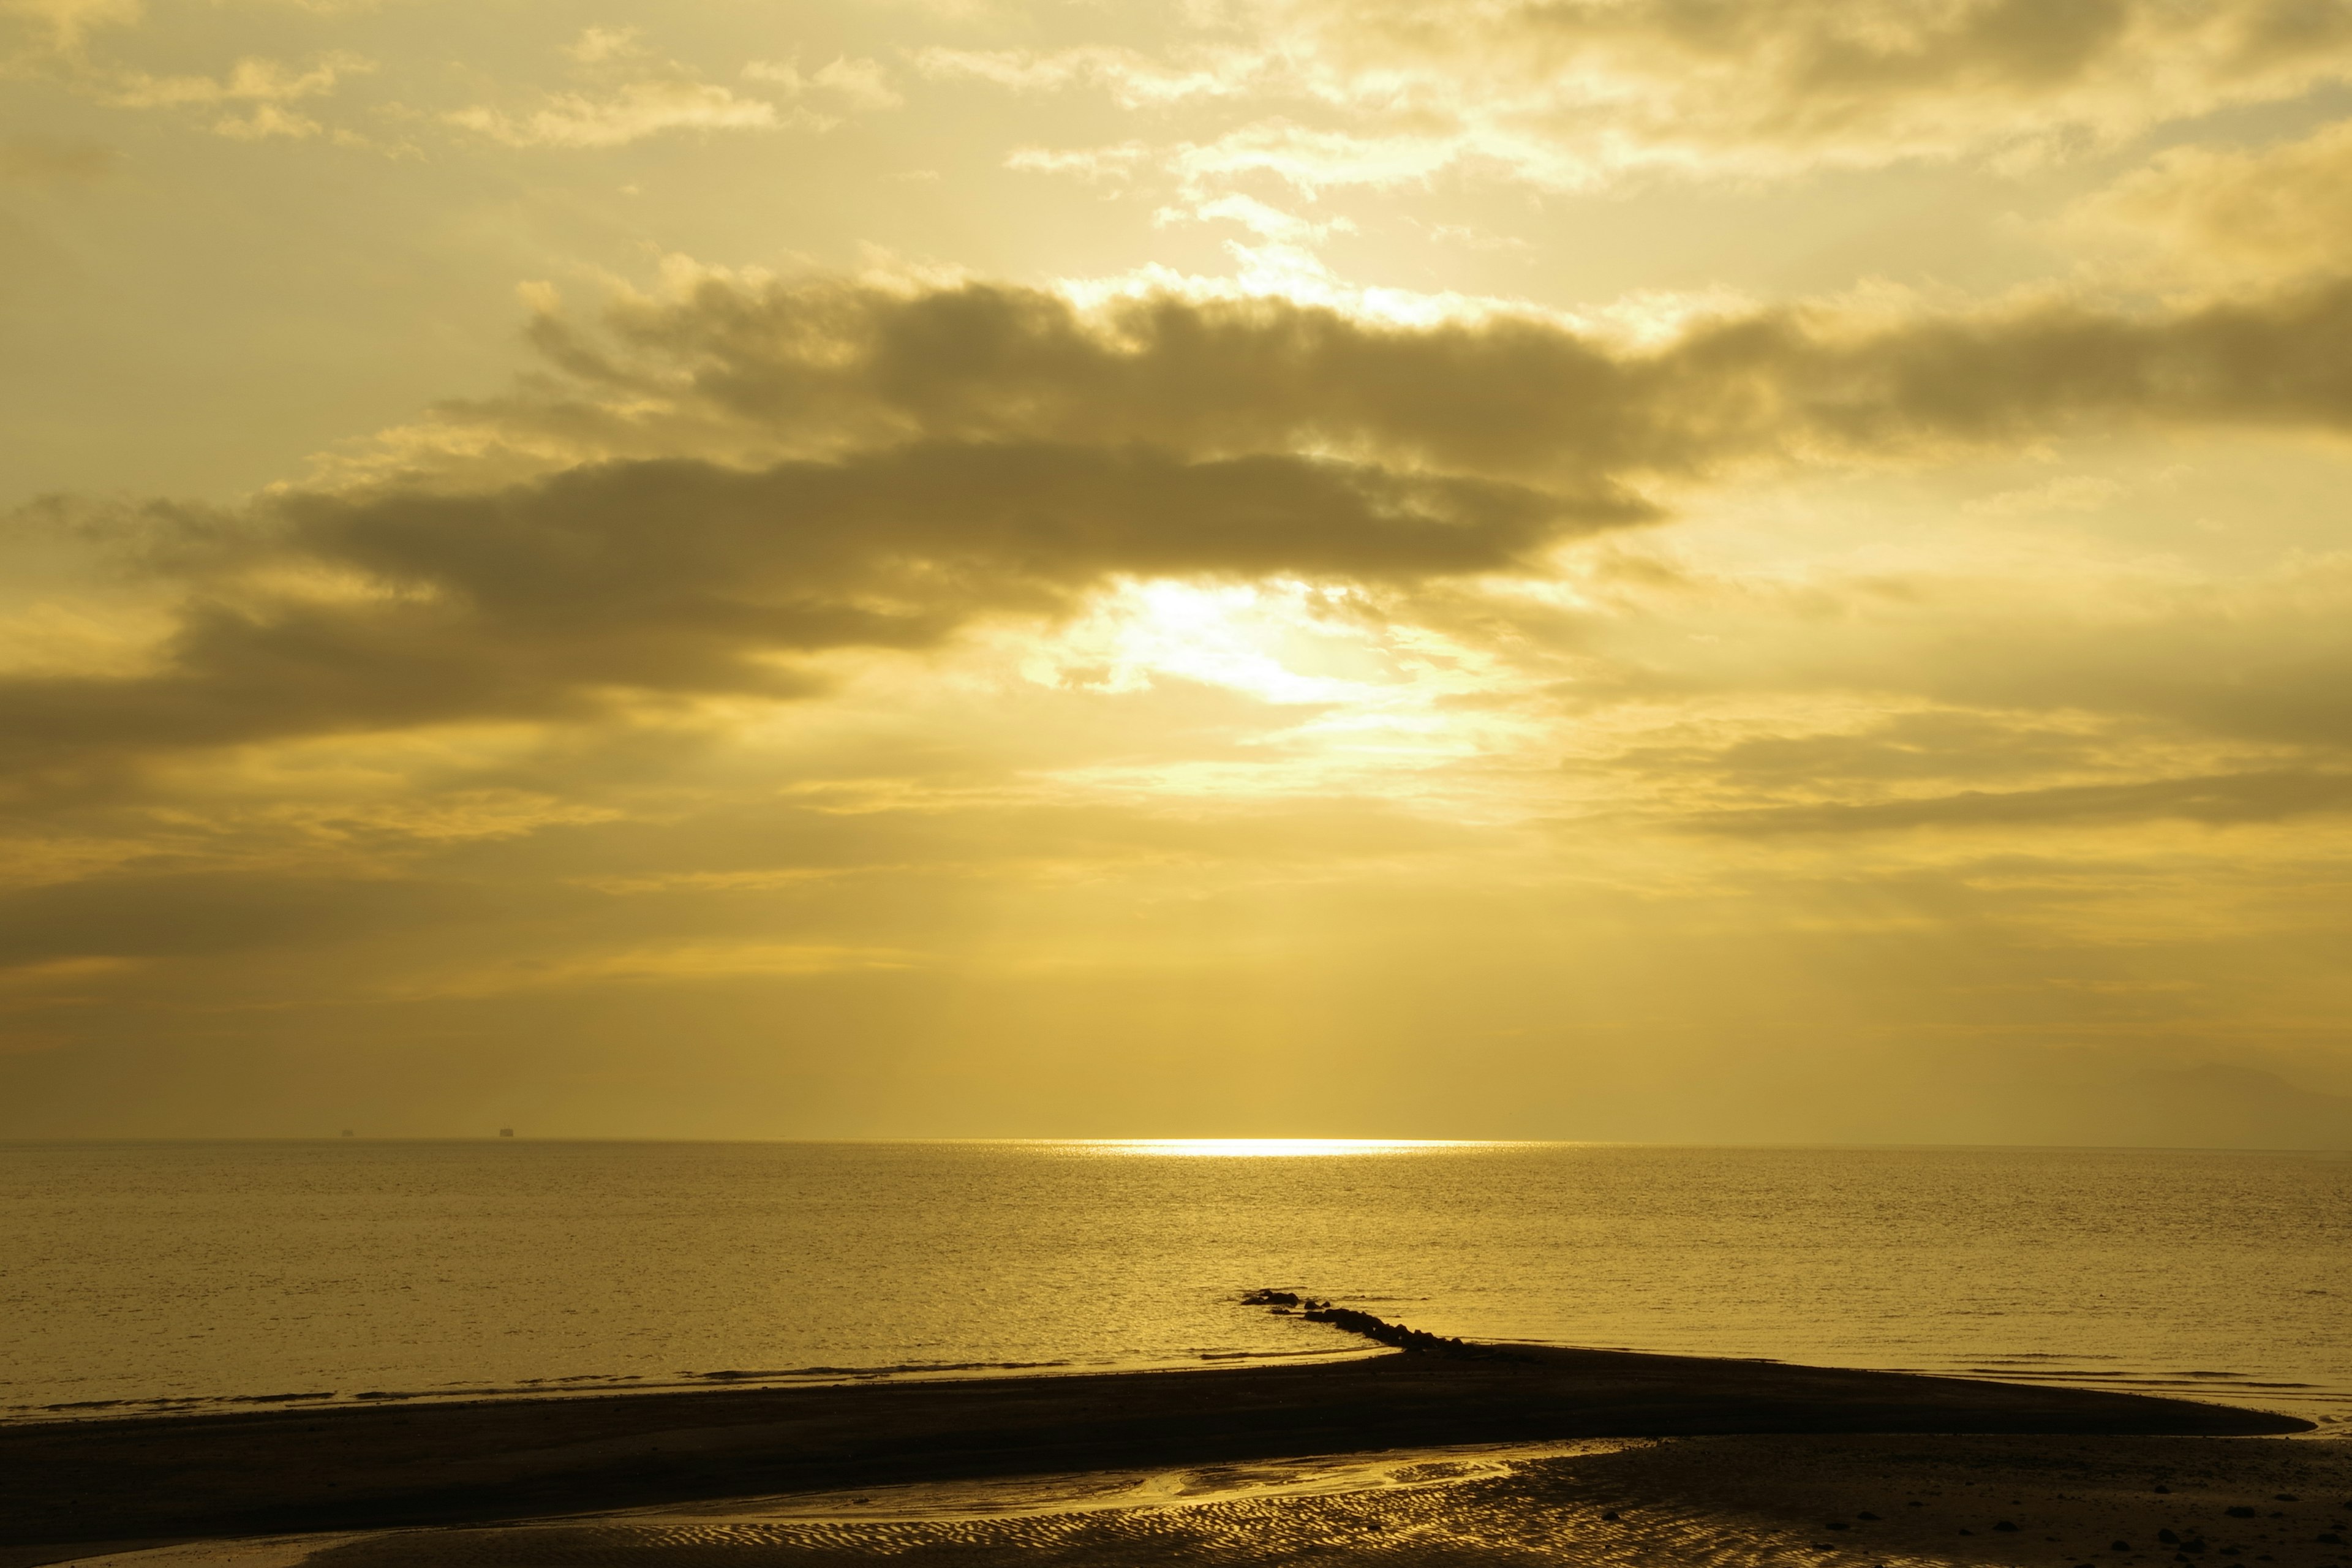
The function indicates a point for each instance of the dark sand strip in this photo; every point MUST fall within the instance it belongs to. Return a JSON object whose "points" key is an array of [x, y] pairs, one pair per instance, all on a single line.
{"points": [[268, 1472]]}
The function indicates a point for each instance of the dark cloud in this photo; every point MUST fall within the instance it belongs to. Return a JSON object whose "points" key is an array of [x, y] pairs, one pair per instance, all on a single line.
{"points": [[2018, 43], [2275, 360], [207, 914], [2218, 799], [1576, 93], [686, 542], [921, 458], [830, 363], [1583, 87], [1908, 747], [544, 600]]}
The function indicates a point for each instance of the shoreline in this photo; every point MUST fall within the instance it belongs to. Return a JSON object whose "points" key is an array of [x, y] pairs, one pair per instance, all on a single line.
{"points": [[157, 1479], [181, 1407]]}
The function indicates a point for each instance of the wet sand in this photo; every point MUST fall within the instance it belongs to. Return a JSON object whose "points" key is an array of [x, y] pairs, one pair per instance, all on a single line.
{"points": [[77, 1488], [1701, 1502]]}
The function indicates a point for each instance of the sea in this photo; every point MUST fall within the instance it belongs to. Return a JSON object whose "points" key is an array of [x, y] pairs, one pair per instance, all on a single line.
{"points": [[164, 1277]]}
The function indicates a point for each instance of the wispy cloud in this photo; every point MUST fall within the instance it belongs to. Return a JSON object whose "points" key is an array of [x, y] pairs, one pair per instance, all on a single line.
{"points": [[630, 112], [1586, 93], [252, 80], [595, 45], [2227, 214], [2252, 797], [63, 25], [1132, 78]]}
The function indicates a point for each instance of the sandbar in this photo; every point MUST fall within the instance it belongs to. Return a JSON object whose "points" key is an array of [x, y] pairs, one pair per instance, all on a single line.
{"points": [[75, 1488]]}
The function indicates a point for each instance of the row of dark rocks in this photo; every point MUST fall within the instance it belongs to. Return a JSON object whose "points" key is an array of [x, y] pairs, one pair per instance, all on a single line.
{"points": [[1418, 1341]]}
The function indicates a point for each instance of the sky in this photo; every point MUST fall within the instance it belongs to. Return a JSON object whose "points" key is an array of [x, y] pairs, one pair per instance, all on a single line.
{"points": [[1660, 570]]}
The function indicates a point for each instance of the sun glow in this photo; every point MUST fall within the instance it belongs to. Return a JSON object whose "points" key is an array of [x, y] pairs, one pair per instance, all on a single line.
{"points": [[1276, 1147], [1279, 642]]}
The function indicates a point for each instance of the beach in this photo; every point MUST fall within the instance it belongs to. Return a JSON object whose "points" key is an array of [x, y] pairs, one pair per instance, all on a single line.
{"points": [[1763, 1459], [1695, 1502]]}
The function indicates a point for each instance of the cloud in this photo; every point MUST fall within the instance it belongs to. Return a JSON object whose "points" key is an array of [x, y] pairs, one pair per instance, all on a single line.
{"points": [[1266, 222], [2070, 492], [737, 476], [256, 81], [630, 112], [1907, 748], [597, 45], [561, 598], [206, 914], [65, 23], [2215, 800], [1314, 646], [1575, 93], [860, 83], [1131, 76], [265, 120], [856, 84], [2259, 212], [627, 111], [262, 86], [1312, 159], [1089, 163], [1780, 84], [749, 371]]}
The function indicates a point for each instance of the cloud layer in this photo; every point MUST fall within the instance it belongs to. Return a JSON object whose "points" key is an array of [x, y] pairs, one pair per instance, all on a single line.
{"points": [[1577, 93], [880, 467], [1606, 541], [820, 366]]}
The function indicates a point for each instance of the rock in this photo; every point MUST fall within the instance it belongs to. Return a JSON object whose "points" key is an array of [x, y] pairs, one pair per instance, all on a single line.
{"points": [[2240, 1511], [2119, 1546], [1382, 1331], [2005, 1525]]}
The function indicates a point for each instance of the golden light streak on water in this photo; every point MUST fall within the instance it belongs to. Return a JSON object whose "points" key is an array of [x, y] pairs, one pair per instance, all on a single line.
{"points": [[1271, 1148]]}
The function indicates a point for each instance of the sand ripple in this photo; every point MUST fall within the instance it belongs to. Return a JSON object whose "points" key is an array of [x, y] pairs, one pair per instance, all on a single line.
{"points": [[1725, 1503]]}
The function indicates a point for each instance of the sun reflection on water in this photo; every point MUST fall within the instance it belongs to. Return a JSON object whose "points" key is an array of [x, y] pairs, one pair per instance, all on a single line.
{"points": [[1251, 1148]]}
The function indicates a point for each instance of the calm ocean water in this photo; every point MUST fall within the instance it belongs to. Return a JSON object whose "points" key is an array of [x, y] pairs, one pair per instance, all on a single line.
{"points": [[197, 1272]]}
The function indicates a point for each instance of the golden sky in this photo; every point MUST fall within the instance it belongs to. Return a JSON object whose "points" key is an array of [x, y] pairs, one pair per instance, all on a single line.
{"points": [[1760, 570]]}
